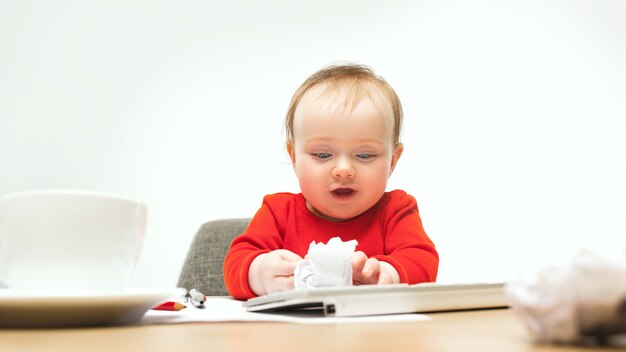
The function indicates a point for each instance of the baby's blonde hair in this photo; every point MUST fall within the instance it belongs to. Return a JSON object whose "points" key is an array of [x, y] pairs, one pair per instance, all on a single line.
{"points": [[355, 82]]}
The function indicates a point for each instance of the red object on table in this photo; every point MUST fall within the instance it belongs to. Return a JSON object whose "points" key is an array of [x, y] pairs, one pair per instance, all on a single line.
{"points": [[170, 305]]}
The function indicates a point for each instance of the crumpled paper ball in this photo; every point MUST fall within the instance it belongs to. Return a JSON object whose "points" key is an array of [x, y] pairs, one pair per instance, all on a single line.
{"points": [[326, 265], [571, 304]]}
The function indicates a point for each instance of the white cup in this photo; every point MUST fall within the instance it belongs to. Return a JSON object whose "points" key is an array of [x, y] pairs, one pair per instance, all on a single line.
{"points": [[63, 240]]}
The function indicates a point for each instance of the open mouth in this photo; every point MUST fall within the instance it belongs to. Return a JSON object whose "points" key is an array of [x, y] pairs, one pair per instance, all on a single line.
{"points": [[343, 192]]}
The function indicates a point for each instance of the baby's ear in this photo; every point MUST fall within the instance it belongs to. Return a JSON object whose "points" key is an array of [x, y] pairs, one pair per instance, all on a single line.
{"points": [[397, 153], [292, 152]]}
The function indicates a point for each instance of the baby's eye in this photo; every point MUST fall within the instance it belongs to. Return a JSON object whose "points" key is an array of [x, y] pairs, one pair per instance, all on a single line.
{"points": [[322, 155], [365, 156]]}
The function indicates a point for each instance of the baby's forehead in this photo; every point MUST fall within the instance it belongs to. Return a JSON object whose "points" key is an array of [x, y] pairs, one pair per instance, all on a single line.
{"points": [[343, 97]]}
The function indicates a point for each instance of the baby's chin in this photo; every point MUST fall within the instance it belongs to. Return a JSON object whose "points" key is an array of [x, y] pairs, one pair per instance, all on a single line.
{"points": [[335, 216]]}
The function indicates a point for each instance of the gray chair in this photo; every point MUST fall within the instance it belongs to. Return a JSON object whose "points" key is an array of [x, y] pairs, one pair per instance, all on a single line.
{"points": [[204, 265]]}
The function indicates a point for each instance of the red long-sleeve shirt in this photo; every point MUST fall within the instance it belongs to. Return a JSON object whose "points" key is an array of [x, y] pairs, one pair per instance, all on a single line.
{"points": [[390, 231]]}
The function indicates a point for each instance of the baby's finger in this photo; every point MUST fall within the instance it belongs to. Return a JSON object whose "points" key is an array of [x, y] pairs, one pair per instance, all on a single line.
{"points": [[282, 283], [358, 261], [284, 268], [288, 255], [371, 267], [384, 278]]}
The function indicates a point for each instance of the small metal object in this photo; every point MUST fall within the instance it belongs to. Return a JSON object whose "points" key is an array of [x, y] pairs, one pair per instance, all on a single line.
{"points": [[196, 297]]}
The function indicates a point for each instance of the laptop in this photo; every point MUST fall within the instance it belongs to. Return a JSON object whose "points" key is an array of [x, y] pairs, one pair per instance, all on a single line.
{"points": [[384, 299]]}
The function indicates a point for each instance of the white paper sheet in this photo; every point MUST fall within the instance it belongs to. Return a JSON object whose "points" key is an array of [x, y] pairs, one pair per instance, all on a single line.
{"points": [[223, 309]]}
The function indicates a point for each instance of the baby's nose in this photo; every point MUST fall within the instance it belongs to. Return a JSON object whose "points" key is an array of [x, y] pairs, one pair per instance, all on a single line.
{"points": [[343, 168]]}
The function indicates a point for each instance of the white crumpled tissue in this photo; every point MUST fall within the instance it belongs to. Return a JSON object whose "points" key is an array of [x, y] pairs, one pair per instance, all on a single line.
{"points": [[326, 265], [571, 304]]}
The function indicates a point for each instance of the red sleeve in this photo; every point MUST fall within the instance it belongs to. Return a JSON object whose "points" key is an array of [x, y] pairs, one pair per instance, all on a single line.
{"points": [[408, 249], [261, 236]]}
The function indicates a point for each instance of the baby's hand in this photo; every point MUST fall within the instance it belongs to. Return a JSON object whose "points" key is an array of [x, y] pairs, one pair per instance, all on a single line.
{"points": [[371, 271], [273, 271]]}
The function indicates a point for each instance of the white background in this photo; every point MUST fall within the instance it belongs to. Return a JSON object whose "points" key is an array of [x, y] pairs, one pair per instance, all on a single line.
{"points": [[515, 134]]}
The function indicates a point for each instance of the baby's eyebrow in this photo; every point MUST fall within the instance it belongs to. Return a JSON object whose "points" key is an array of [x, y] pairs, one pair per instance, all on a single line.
{"points": [[320, 138], [359, 140], [371, 140], [360, 143]]}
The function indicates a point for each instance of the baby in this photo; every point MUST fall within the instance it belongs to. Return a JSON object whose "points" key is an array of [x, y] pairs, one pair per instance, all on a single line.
{"points": [[343, 138]]}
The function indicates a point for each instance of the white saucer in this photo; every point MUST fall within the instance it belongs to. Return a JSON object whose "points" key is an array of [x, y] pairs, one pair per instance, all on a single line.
{"points": [[56, 309]]}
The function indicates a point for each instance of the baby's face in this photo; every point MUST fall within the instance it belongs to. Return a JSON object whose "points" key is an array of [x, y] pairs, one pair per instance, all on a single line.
{"points": [[342, 157]]}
